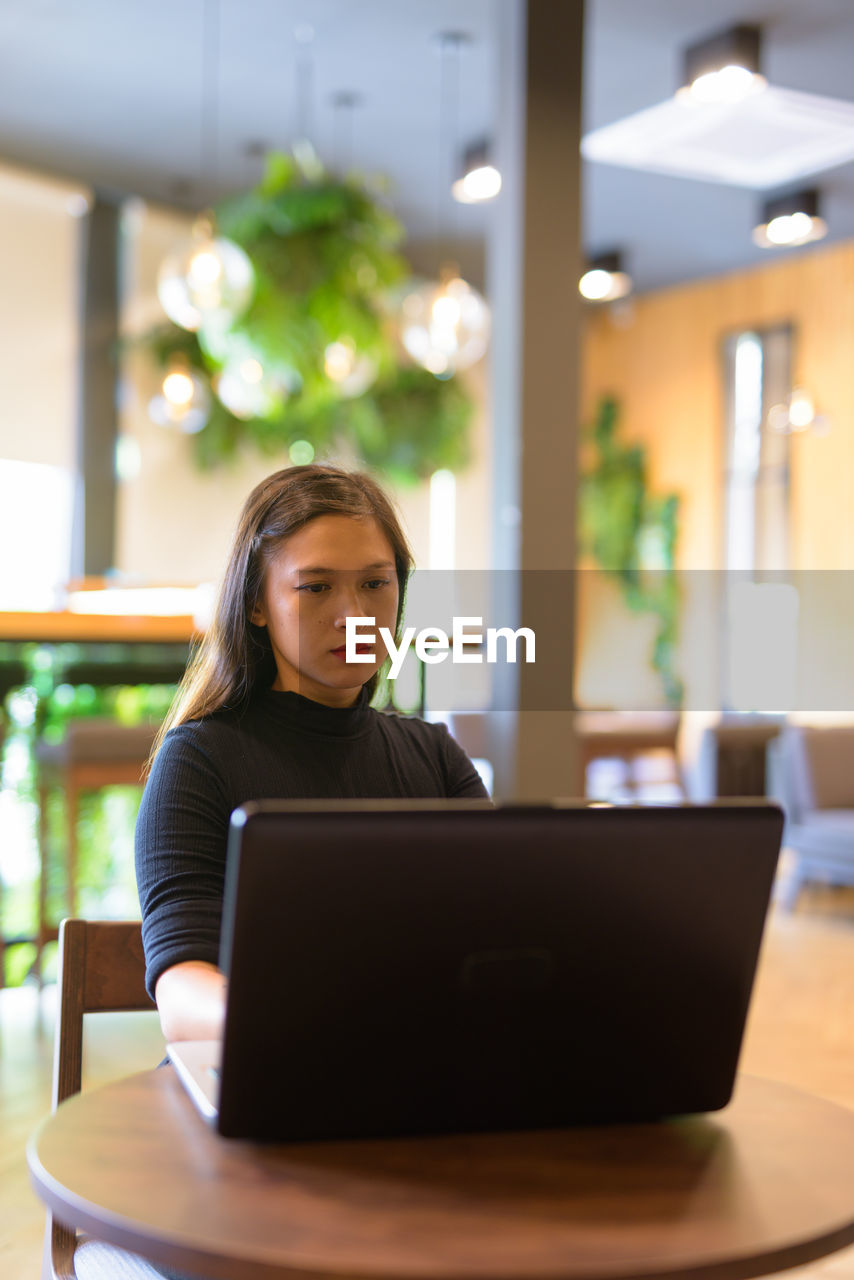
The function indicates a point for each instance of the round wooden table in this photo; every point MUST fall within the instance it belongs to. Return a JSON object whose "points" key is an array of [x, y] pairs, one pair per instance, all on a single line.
{"points": [[766, 1184]]}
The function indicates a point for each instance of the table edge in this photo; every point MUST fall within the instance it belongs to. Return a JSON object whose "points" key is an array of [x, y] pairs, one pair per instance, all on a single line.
{"points": [[117, 1230]]}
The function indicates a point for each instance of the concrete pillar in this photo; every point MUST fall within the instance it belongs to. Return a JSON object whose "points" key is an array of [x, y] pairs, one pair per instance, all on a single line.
{"points": [[532, 275], [93, 537]]}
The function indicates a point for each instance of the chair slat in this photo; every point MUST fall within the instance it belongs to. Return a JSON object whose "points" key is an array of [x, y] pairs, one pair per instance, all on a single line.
{"points": [[115, 968], [101, 969]]}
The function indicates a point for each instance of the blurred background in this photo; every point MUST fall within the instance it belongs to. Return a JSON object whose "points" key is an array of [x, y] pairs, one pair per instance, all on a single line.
{"points": [[577, 286]]}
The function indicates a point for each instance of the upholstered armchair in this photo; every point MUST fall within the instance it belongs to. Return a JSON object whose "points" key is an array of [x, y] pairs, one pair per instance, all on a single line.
{"points": [[815, 778]]}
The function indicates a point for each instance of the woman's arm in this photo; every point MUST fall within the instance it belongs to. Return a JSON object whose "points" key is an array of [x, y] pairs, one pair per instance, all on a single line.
{"points": [[181, 836], [191, 1001]]}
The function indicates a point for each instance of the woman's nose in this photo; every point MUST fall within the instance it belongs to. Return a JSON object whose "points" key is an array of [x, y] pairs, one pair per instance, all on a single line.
{"points": [[348, 604]]}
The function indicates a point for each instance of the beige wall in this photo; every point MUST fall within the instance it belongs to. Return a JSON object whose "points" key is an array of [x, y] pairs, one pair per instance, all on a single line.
{"points": [[661, 359], [39, 270], [40, 244], [660, 355]]}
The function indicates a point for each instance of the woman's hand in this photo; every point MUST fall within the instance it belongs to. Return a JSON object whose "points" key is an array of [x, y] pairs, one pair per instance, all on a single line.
{"points": [[191, 1001]]}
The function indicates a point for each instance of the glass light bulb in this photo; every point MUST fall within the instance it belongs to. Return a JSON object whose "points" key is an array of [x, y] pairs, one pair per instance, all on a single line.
{"points": [[338, 361], [207, 280], [351, 372], [446, 311], [205, 268], [183, 401], [178, 389], [445, 327], [248, 395]]}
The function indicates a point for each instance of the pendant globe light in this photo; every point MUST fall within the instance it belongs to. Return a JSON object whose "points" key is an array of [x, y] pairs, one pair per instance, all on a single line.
{"points": [[183, 401], [351, 371], [444, 326], [249, 390], [209, 279]]}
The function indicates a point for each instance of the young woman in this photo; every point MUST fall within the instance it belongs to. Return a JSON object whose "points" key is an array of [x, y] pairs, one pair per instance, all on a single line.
{"points": [[270, 708]]}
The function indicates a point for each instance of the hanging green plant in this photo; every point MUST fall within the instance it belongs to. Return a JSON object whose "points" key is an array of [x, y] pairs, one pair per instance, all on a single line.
{"points": [[314, 358], [631, 534]]}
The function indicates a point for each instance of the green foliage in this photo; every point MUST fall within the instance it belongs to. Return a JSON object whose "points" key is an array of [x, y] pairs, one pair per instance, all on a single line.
{"points": [[408, 409], [40, 708], [325, 254], [19, 960], [612, 497], [632, 535]]}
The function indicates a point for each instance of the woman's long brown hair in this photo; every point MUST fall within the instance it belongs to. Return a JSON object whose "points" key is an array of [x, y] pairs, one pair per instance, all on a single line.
{"points": [[235, 655]]}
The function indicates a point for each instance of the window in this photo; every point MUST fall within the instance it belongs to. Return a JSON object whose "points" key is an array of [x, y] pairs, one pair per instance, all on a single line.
{"points": [[35, 519], [757, 375], [759, 606]]}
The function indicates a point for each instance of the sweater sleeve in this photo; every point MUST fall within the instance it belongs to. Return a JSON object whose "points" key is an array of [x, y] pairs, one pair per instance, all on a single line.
{"points": [[462, 780], [181, 836]]}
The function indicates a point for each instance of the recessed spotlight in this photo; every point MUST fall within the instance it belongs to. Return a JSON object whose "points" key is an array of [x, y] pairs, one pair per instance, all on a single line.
{"points": [[480, 180], [790, 221], [605, 280], [723, 68]]}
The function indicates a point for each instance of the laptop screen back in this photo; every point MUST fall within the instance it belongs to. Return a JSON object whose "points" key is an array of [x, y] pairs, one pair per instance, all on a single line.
{"points": [[405, 968]]}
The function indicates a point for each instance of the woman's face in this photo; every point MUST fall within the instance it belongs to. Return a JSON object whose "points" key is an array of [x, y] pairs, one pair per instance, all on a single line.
{"points": [[335, 567]]}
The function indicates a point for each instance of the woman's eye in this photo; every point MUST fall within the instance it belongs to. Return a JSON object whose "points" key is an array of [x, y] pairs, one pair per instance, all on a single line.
{"points": [[314, 588], [373, 584]]}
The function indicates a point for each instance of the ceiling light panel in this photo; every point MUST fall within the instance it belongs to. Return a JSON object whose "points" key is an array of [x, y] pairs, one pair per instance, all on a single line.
{"points": [[773, 138]]}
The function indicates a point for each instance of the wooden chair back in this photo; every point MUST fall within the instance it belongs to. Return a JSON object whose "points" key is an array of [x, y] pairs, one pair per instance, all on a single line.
{"points": [[101, 970]]}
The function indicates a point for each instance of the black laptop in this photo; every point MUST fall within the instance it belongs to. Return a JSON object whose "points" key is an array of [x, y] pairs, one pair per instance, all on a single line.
{"points": [[409, 968]]}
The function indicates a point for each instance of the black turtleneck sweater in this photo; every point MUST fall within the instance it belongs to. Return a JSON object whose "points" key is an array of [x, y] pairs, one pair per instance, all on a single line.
{"points": [[282, 747]]}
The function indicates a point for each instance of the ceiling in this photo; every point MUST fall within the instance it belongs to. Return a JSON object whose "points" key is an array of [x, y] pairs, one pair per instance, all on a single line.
{"points": [[111, 94], [676, 229]]}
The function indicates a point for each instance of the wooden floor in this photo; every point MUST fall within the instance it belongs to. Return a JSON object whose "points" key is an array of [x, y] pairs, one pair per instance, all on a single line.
{"points": [[801, 1031]]}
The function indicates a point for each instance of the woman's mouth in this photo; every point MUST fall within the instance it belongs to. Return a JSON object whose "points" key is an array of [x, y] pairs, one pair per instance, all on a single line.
{"points": [[361, 650]]}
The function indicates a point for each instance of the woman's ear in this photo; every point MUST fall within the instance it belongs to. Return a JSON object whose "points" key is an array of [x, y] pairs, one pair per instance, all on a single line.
{"points": [[258, 615]]}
